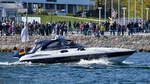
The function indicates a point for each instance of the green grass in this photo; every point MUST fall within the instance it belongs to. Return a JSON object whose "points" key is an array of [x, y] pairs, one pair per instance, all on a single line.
{"points": [[46, 18]]}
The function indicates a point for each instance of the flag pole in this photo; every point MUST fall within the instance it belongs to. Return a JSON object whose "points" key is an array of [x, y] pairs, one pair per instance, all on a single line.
{"points": [[112, 9], [26, 25], [135, 11], [27, 14]]}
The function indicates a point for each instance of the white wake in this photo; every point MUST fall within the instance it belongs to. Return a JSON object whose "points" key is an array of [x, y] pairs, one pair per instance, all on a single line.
{"points": [[103, 61], [14, 63]]}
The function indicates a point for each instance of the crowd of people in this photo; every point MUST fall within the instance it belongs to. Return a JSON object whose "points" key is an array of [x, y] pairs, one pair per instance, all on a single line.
{"points": [[64, 28]]}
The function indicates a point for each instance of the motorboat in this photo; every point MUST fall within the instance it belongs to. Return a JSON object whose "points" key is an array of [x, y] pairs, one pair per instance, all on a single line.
{"points": [[62, 50]]}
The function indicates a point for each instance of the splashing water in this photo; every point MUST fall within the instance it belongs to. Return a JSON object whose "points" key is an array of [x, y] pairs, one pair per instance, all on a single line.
{"points": [[15, 63], [103, 61], [127, 62]]}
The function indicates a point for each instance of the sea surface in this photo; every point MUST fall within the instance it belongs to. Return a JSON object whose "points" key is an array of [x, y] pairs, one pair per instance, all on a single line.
{"points": [[134, 70]]}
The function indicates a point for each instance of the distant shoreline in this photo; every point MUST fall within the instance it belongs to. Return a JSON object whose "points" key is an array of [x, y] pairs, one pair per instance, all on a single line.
{"points": [[137, 42]]}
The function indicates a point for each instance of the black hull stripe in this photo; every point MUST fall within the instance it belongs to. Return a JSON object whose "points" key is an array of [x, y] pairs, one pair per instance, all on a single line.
{"points": [[78, 58]]}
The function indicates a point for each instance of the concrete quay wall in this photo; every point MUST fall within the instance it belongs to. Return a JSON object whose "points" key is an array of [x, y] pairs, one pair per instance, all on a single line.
{"points": [[137, 42]]}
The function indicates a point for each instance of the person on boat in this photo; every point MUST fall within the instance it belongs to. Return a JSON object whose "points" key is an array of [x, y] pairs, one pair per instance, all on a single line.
{"points": [[18, 53]]}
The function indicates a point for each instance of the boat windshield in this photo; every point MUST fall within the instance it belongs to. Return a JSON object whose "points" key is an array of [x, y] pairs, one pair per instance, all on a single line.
{"points": [[35, 48], [56, 45]]}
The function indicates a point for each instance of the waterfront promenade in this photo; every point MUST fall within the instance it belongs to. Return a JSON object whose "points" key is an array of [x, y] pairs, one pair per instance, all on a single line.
{"points": [[140, 42], [132, 36]]}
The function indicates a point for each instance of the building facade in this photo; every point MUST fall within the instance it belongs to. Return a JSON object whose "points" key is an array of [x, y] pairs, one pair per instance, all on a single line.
{"points": [[70, 6], [10, 10]]}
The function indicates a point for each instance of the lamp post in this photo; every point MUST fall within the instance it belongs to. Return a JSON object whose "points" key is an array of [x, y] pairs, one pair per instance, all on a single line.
{"points": [[17, 4], [147, 12], [105, 8], [27, 13], [142, 11], [97, 3], [99, 8], [50, 16], [135, 12], [124, 15], [128, 11], [111, 8], [118, 11]]}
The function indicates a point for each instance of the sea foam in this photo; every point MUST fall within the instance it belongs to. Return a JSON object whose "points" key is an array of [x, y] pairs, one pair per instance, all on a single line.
{"points": [[103, 61], [14, 63]]}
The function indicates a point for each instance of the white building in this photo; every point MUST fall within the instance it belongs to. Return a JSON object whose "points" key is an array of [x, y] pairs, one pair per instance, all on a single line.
{"points": [[70, 6], [10, 10]]}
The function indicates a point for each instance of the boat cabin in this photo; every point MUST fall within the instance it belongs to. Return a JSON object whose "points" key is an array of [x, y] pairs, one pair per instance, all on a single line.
{"points": [[56, 44]]}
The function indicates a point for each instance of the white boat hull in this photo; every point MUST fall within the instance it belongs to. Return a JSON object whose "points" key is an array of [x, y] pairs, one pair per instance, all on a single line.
{"points": [[74, 55]]}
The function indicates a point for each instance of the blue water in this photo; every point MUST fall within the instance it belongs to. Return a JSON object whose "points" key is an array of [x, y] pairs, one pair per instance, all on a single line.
{"points": [[135, 70]]}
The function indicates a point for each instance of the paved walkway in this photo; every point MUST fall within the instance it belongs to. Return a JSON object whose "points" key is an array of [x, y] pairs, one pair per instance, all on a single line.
{"points": [[80, 18]]}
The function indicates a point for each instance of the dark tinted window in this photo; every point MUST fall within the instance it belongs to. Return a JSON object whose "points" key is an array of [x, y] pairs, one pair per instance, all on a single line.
{"points": [[54, 45]]}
